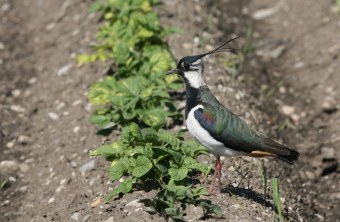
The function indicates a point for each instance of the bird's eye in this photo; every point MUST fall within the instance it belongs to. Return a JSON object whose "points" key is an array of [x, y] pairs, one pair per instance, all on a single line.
{"points": [[186, 65]]}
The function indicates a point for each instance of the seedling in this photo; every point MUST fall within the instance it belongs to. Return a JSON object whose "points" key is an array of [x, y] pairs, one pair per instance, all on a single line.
{"points": [[276, 198]]}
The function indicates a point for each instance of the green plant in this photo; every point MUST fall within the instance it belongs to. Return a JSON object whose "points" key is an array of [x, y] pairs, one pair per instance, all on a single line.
{"points": [[162, 160], [172, 200], [137, 94], [264, 173], [276, 198], [132, 99], [139, 90], [2, 183]]}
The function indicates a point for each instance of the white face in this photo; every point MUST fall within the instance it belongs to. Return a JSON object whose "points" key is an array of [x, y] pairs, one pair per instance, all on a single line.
{"points": [[195, 74]]}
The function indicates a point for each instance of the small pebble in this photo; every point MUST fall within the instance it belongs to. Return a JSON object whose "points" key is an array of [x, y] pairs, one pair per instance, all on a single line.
{"points": [[88, 166], [77, 102], [86, 218], [22, 139], [63, 181], [51, 200], [10, 145], [5, 7], [95, 203], [64, 70], [8, 167], [76, 129], [327, 152], [32, 80], [59, 188], [110, 219], [24, 168], [263, 13], [23, 189], [17, 108], [16, 92], [287, 110], [75, 216], [53, 116], [134, 203], [6, 202]]}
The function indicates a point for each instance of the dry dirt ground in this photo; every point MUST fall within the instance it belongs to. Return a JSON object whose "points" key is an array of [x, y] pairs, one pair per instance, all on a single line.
{"points": [[287, 87]]}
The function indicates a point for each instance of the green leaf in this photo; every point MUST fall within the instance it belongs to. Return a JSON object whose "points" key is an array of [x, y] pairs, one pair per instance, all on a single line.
{"points": [[276, 197], [143, 166], [169, 138], [103, 150], [124, 187], [178, 174], [100, 120], [153, 117], [117, 169], [174, 213], [95, 7]]}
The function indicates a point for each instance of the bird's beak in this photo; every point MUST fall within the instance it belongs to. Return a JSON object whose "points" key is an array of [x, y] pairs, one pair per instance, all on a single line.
{"points": [[173, 71]]}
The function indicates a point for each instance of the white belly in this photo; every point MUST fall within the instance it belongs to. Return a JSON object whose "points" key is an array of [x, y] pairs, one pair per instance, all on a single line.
{"points": [[203, 136]]}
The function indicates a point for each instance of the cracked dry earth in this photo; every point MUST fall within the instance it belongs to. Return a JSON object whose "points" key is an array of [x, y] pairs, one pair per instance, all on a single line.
{"points": [[288, 87]]}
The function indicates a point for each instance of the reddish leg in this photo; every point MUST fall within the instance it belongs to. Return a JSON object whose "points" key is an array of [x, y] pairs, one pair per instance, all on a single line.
{"points": [[217, 171], [219, 174]]}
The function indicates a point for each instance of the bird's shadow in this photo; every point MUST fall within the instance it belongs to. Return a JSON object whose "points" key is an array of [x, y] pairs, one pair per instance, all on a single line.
{"points": [[248, 194]]}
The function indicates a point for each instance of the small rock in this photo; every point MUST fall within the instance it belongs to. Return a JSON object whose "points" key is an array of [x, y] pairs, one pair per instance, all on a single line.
{"points": [[16, 92], [32, 80], [64, 181], [24, 168], [50, 26], [92, 181], [6, 202], [88, 166], [60, 105], [12, 179], [53, 116], [73, 164], [310, 175], [329, 105], [96, 202], [17, 108], [64, 70], [75, 216], [263, 13], [51, 200], [10, 145], [5, 7], [86, 218], [277, 52], [299, 65], [193, 213], [110, 219], [236, 206], [287, 110], [59, 189], [23, 189], [9, 167], [328, 153], [77, 102], [22, 139], [295, 117], [76, 129], [134, 203]]}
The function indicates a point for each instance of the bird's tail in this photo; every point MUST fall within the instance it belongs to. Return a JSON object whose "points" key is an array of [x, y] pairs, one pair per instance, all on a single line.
{"points": [[280, 151]]}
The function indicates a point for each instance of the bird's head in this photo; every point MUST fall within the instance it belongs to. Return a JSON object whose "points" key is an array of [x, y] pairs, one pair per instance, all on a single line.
{"points": [[191, 68]]}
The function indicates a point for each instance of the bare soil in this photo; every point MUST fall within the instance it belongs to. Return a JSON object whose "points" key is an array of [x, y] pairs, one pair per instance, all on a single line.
{"points": [[287, 87]]}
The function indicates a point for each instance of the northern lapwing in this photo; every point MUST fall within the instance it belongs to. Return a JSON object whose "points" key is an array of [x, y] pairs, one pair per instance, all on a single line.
{"points": [[216, 127]]}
